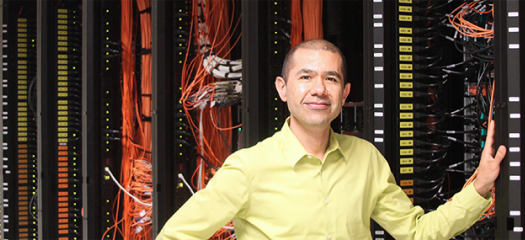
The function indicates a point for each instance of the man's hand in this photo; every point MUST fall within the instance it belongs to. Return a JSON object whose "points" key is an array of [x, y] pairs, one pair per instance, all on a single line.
{"points": [[489, 165]]}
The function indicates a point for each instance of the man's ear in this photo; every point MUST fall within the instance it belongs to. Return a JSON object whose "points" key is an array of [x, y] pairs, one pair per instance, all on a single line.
{"points": [[280, 85], [346, 92]]}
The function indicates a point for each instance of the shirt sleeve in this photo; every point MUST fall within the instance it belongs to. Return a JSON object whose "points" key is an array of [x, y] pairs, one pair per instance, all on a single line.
{"points": [[394, 211], [212, 207]]}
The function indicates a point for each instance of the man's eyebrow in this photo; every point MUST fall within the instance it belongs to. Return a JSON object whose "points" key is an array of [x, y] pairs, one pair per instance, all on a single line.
{"points": [[305, 70], [333, 73]]}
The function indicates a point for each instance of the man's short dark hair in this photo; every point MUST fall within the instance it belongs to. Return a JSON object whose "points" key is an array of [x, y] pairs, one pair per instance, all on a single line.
{"points": [[313, 44]]}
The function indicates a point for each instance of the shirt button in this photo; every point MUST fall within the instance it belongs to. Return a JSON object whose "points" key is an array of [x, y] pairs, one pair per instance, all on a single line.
{"points": [[309, 156], [326, 202], [329, 236]]}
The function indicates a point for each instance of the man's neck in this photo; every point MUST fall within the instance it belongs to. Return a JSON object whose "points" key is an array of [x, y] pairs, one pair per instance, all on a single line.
{"points": [[314, 140]]}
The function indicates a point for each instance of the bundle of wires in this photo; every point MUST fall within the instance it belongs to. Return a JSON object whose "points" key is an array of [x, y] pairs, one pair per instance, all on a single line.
{"points": [[307, 19], [134, 199], [473, 21], [210, 85]]}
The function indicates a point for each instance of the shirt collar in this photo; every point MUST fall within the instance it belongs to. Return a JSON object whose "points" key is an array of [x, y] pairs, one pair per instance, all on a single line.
{"points": [[295, 150]]}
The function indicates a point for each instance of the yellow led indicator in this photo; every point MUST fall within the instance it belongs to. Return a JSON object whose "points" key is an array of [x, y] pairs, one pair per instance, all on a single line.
{"points": [[62, 32], [405, 48], [62, 107], [62, 49], [62, 27], [405, 39], [62, 129], [406, 152], [63, 94], [405, 85], [406, 161], [62, 73], [62, 124], [63, 113], [22, 20], [22, 50], [62, 10], [405, 67], [22, 30], [405, 1], [405, 58], [22, 109], [22, 62], [62, 134], [405, 9], [62, 43], [62, 21], [406, 115], [62, 118], [62, 62], [405, 18], [62, 78], [62, 56], [21, 35], [22, 25], [62, 102], [22, 45], [22, 55], [406, 143], [406, 170], [62, 140], [22, 139], [22, 66], [406, 94], [406, 106], [62, 67]]}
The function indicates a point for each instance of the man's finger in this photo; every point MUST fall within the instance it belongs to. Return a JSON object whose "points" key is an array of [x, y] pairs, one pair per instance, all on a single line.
{"points": [[490, 134], [502, 150]]}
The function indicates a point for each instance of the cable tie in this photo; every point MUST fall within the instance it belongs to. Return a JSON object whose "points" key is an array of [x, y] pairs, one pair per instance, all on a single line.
{"points": [[145, 51], [147, 10]]}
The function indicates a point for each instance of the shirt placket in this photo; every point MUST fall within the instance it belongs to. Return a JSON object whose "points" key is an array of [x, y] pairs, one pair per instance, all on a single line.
{"points": [[323, 177]]}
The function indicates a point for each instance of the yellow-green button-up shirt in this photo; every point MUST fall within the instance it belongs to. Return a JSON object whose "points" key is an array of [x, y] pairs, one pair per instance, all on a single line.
{"points": [[276, 190]]}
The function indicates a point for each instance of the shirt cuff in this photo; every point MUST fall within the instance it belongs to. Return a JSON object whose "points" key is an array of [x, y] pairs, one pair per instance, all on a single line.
{"points": [[472, 200]]}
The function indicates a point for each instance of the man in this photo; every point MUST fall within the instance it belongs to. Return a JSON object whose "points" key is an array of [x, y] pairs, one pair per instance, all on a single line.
{"points": [[307, 182]]}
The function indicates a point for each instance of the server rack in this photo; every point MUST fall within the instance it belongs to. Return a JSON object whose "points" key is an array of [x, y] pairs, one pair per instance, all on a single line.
{"points": [[59, 109], [19, 168], [509, 94]]}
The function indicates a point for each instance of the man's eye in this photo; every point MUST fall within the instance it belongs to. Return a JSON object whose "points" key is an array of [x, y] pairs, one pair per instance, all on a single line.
{"points": [[305, 77], [331, 79]]}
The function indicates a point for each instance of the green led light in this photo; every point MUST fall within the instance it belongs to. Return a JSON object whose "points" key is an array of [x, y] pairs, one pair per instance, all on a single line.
{"points": [[107, 149], [275, 52], [275, 99], [275, 32], [180, 145], [275, 109], [180, 62], [276, 119], [275, 3], [180, 19], [180, 10], [275, 23], [275, 13], [107, 10], [180, 88], [180, 110], [275, 42], [107, 23], [107, 92], [180, 27], [180, 128], [107, 142], [107, 127], [180, 154], [107, 112], [239, 129], [275, 129], [74, 67], [107, 38], [74, 164], [107, 200], [74, 135], [107, 53], [107, 60]]}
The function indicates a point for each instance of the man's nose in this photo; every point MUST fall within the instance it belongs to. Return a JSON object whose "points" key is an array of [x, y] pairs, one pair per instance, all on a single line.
{"points": [[318, 87]]}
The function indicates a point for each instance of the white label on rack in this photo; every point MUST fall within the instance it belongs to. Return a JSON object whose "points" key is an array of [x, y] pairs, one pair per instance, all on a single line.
{"points": [[515, 213], [514, 149], [379, 85], [514, 164], [378, 139], [514, 135], [378, 16], [518, 229], [514, 14], [514, 178], [378, 114], [378, 54], [514, 29], [379, 131], [378, 0], [378, 69], [379, 232], [514, 99], [378, 24], [514, 46], [378, 105], [515, 115]]}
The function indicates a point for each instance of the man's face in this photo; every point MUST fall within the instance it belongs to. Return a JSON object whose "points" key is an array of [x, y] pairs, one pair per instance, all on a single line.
{"points": [[315, 89]]}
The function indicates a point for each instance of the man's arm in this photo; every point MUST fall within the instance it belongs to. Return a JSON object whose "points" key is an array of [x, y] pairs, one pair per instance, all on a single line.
{"points": [[212, 207], [396, 214]]}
